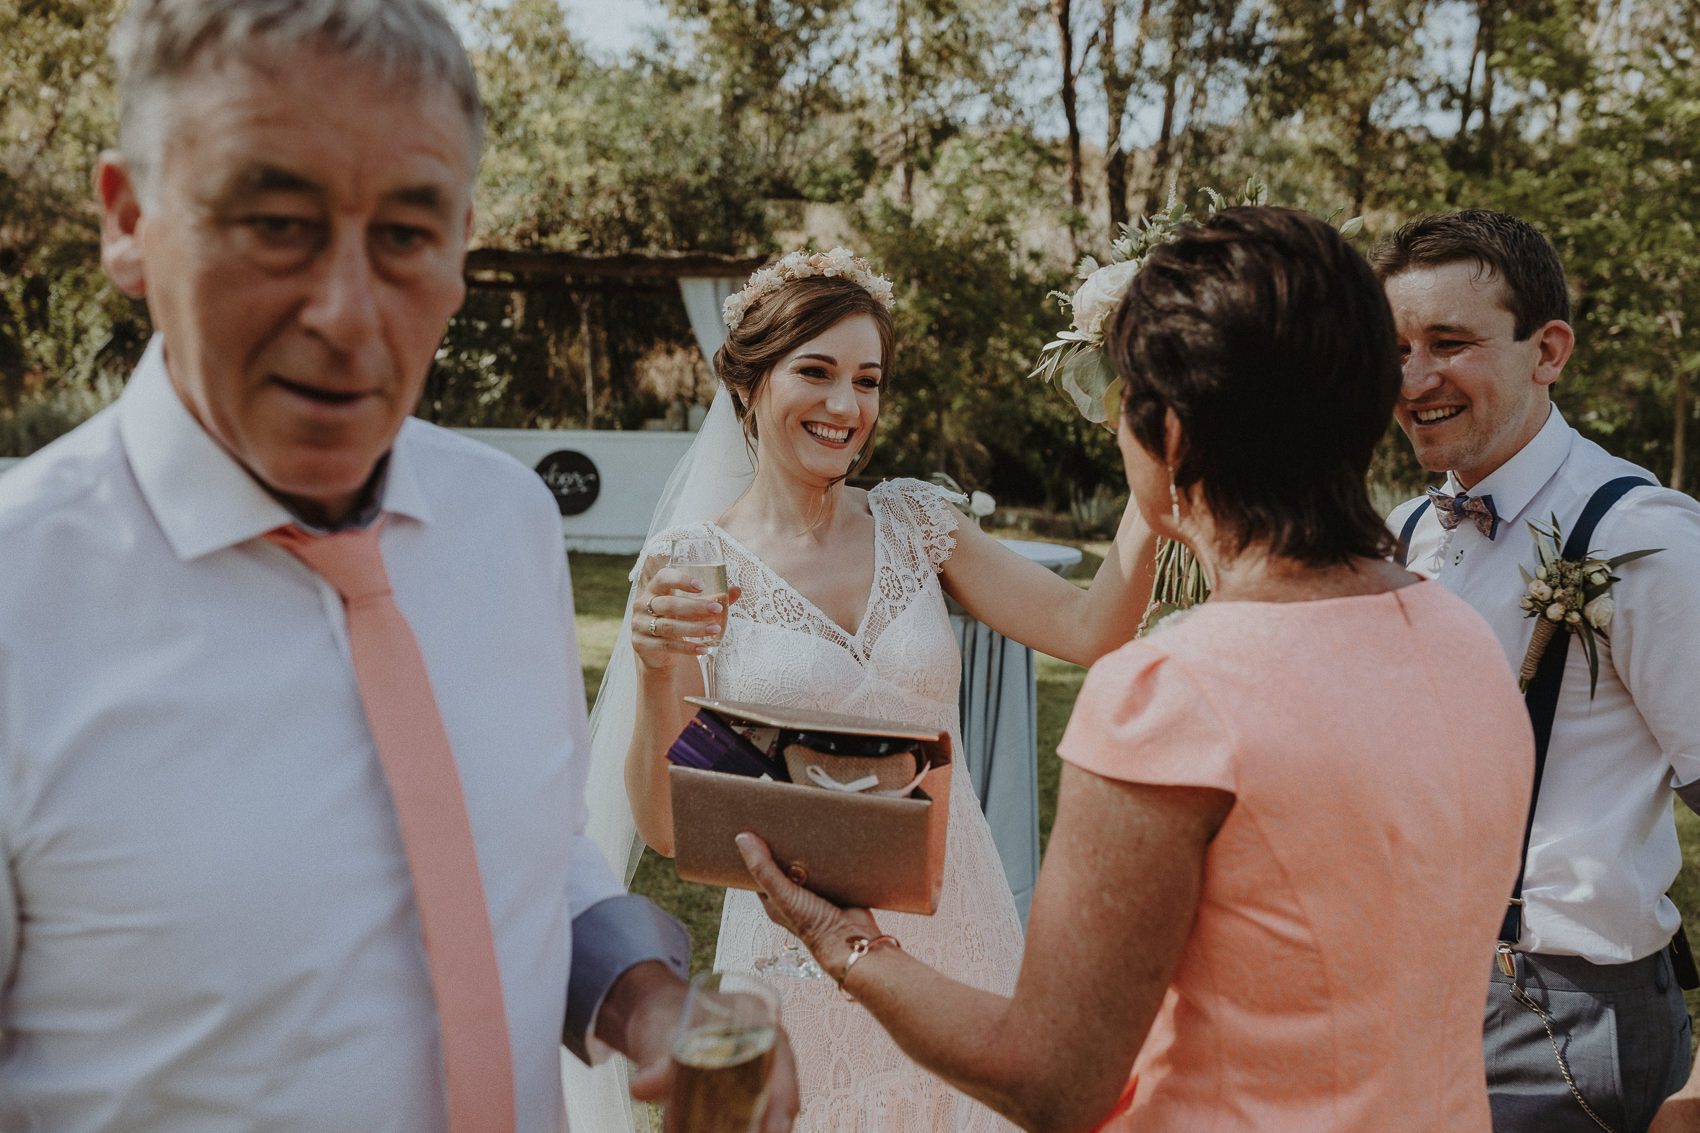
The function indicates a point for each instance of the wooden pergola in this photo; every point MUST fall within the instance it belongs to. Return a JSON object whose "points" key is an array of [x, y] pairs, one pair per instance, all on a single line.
{"points": [[503, 269], [507, 270]]}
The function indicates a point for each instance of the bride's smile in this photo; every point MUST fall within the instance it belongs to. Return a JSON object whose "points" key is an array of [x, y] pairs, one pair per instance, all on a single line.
{"points": [[816, 412]]}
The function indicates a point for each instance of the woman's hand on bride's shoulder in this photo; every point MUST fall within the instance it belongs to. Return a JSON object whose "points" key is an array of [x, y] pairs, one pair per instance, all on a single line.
{"points": [[669, 611]]}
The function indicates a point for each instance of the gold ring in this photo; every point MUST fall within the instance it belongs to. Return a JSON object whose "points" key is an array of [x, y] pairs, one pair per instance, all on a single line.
{"points": [[652, 632], [650, 605]]}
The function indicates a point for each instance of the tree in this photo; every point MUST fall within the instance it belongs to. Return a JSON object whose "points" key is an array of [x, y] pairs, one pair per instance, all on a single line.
{"points": [[1062, 15], [66, 337], [1119, 73]]}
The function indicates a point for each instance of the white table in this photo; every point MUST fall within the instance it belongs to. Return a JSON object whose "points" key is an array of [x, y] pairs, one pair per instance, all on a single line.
{"points": [[1060, 559], [1000, 729]]}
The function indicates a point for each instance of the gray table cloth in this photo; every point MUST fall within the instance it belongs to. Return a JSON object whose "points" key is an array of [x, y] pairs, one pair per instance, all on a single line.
{"points": [[1000, 731]]}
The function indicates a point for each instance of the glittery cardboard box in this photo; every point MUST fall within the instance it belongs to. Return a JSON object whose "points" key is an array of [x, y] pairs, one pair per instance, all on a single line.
{"points": [[851, 848]]}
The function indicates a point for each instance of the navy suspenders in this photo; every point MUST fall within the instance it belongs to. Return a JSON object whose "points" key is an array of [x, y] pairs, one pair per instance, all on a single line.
{"points": [[1541, 697]]}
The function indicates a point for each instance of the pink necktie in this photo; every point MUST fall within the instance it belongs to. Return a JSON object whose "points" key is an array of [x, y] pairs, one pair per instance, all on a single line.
{"points": [[425, 786]]}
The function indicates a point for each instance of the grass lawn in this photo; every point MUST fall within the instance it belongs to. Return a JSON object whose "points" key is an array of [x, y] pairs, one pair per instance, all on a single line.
{"points": [[599, 591]]}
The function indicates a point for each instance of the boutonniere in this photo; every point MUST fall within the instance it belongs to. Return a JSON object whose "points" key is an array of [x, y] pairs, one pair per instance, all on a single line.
{"points": [[1572, 594]]}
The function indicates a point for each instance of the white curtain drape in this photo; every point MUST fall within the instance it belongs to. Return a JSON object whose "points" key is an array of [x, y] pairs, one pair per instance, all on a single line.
{"points": [[704, 296]]}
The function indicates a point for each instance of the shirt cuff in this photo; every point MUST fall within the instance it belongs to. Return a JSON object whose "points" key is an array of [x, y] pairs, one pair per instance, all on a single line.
{"points": [[610, 938]]}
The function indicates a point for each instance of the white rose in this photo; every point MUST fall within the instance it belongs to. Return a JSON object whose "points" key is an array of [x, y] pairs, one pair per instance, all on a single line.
{"points": [[1556, 611], [980, 505], [1599, 611], [1096, 299], [1540, 590]]}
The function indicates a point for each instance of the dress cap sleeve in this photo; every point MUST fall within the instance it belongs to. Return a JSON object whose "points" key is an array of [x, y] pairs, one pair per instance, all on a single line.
{"points": [[929, 512], [1141, 718]]}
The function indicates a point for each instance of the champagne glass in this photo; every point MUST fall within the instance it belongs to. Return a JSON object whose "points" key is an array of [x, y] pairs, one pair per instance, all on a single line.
{"points": [[702, 560], [722, 1055]]}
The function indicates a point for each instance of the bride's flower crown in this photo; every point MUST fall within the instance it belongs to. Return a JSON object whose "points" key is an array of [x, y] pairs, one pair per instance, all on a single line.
{"points": [[839, 262]]}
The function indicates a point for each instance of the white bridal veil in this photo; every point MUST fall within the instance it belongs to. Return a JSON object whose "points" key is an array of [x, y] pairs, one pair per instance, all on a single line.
{"points": [[714, 471]]}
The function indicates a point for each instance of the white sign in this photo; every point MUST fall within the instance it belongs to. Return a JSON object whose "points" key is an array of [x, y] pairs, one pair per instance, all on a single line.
{"points": [[626, 469]]}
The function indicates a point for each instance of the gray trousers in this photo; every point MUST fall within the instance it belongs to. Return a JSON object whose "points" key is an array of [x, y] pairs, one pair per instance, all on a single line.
{"points": [[1622, 1027]]}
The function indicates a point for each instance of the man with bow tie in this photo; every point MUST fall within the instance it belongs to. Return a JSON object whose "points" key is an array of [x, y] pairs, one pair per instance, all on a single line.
{"points": [[1585, 1020]]}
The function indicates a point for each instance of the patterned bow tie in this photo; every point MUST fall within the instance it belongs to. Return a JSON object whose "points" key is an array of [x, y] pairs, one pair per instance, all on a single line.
{"points": [[1453, 510]]}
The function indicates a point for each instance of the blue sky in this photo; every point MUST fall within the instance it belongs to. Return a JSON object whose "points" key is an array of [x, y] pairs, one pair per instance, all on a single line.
{"points": [[610, 27]]}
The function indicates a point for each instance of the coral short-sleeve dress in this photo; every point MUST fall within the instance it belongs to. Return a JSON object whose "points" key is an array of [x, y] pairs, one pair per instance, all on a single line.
{"points": [[1380, 760]]}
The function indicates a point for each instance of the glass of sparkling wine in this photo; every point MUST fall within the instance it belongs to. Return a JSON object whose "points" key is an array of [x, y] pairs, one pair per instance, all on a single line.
{"points": [[703, 561], [722, 1055]]}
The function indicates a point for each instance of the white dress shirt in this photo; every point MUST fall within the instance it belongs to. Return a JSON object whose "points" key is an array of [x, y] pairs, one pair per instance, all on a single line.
{"points": [[1604, 847], [206, 921]]}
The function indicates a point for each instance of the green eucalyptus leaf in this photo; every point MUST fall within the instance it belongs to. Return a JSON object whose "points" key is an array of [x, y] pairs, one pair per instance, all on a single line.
{"points": [[1585, 632], [1084, 377], [1112, 403], [1630, 556], [1352, 227]]}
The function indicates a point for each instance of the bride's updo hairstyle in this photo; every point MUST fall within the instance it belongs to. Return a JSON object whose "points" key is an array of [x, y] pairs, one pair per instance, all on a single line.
{"points": [[784, 319], [1272, 342]]}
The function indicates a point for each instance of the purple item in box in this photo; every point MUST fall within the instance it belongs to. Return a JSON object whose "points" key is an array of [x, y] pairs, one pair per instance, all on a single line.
{"points": [[708, 743]]}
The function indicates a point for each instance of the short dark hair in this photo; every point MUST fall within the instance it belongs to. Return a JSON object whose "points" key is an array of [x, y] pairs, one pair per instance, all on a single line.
{"points": [[1272, 342], [1504, 246], [781, 321]]}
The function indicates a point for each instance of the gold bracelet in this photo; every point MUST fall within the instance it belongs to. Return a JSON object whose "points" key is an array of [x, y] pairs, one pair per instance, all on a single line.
{"points": [[860, 946]]}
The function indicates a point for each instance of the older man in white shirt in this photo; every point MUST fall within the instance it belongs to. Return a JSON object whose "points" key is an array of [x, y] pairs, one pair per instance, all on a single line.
{"points": [[1483, 319], [214, 910]]}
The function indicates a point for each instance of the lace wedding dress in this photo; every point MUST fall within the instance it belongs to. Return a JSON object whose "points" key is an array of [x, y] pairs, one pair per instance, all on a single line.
{"points": [[902, 663]]}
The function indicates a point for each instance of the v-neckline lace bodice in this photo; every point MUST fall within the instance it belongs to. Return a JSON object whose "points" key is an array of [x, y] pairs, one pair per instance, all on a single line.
{"points": [[902, 663], [829, 627]]}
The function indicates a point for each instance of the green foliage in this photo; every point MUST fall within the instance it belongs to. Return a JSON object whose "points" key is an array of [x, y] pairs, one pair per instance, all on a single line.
{"points": [[65, 336], [584, 156], [922, 129]]}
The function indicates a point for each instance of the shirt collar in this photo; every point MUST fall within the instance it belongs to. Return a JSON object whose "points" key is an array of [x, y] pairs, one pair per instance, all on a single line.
{"points": [[204, 500], [1515, 483]]}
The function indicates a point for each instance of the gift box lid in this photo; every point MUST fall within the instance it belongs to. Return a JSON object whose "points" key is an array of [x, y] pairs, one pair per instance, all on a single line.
{"points": [[852, 848], [805, 720]]}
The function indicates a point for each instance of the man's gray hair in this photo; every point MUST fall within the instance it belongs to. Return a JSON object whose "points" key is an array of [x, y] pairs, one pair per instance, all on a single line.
{"points": [[156, 42]]}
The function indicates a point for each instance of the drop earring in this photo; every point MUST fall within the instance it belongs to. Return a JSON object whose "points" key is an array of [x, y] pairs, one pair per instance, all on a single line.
{"points": [[1174, 501]]}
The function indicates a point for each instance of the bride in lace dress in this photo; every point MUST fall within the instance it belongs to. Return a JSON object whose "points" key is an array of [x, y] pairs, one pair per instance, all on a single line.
{"points": [[837, 603]]}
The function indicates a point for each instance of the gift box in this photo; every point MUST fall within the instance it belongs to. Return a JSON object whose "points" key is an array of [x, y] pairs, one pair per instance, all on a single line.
{"points": [[851, 847]]}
